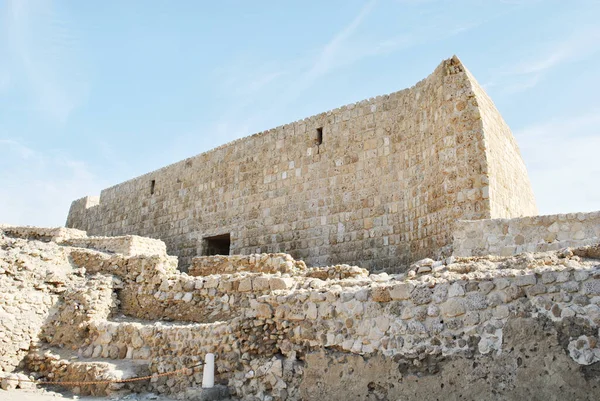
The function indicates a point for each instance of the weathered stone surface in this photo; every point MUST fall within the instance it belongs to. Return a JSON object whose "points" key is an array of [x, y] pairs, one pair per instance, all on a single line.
{"points": [[401, 291], [592, 287], [260, 284], [436, 128], [245, 285], [381, 294], [526, 234], [456, 290], [260, 324], [421, 295], [453, 307], [522, 371], [280, 283]]}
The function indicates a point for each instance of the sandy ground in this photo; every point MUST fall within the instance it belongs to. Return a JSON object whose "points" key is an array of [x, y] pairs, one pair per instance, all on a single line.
{"points": [[44, 395]]}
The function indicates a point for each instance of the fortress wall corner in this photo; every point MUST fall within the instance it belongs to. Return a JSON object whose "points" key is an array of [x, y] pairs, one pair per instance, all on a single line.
{"points": [[83, 213], [510, 191]]}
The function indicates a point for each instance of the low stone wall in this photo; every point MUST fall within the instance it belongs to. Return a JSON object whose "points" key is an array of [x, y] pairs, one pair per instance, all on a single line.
{"points": [[128, 245], [257, 263], [154, 289], [56, 234], [506, 237]]}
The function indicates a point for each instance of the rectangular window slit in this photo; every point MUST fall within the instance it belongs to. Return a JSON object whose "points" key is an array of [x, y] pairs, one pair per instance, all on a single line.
{"points": [[319, 138], [152, 185]]}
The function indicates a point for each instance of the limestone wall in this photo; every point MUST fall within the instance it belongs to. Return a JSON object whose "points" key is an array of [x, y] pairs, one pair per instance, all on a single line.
{"points": [[385, 186], [527, 234], [83, 212], [129, 245], [56, 234], [30, 280], [261, 263], [492, 327], [509, 191], [464, 311]]}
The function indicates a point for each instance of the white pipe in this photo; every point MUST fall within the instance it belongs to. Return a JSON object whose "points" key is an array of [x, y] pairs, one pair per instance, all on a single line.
{"points": [[208, 374]]}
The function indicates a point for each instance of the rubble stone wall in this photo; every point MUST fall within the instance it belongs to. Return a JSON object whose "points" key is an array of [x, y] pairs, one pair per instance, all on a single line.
{"points": [[507, 237], [27, 296], [129, 245], [466, 328], [258, 263], [384, 188], [56, 234], [462, 310]]}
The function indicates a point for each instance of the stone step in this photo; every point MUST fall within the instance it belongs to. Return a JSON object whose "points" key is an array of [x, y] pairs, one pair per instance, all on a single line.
{"points": [[63, 366]]}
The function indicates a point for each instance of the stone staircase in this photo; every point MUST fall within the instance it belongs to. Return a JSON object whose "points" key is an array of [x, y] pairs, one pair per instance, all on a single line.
{"points": [[65, 366], [124, 348]]}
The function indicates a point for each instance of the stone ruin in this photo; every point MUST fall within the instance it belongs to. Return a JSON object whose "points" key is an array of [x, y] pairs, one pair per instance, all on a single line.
{"points": [[78, 308], [296, 257]]}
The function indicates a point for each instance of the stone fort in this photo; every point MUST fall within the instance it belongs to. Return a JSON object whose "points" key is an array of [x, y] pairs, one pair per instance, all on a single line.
{"points": [[509, 310], [379, 183]]}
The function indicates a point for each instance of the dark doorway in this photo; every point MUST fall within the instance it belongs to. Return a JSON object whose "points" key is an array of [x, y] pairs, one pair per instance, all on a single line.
{"points": [[217, 245]]}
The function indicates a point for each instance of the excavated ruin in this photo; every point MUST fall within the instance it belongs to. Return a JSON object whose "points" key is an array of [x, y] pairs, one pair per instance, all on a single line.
{"points": [[78, 308]]}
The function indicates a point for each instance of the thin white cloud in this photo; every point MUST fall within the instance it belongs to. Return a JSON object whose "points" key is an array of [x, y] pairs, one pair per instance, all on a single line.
{"points": [[245, 75], [245, 80], [580, 45], [522, 83], [527, 74], [345, 48], [561, 156], [38, 187], [335, 53], [42, 50], [327, 57]]}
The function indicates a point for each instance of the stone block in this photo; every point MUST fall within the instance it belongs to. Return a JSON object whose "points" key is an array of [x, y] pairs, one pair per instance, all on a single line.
{"points": [[380, 294], [401, 291], [453, 307], [525, 280], [280, 283], [260, 283], [245, 284]]}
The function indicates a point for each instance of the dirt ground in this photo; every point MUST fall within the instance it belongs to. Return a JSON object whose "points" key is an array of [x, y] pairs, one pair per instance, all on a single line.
{"points": [[45, 395]]}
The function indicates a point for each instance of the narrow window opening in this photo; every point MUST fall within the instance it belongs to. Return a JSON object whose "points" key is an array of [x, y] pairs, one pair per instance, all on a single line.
{"points": [[319, 138], [152, 185], [217, 245]]}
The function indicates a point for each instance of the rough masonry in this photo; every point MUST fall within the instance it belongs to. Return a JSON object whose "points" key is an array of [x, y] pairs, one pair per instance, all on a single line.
{"points": [[379, 183], [497, 328]]}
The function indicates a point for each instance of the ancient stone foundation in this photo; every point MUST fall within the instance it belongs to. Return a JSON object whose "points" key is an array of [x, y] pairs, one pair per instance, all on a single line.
{"points": [[379, 183], [489, 327]]}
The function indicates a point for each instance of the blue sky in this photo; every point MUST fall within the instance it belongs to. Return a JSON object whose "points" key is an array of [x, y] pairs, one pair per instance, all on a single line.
{"points": [[95, 93]]}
